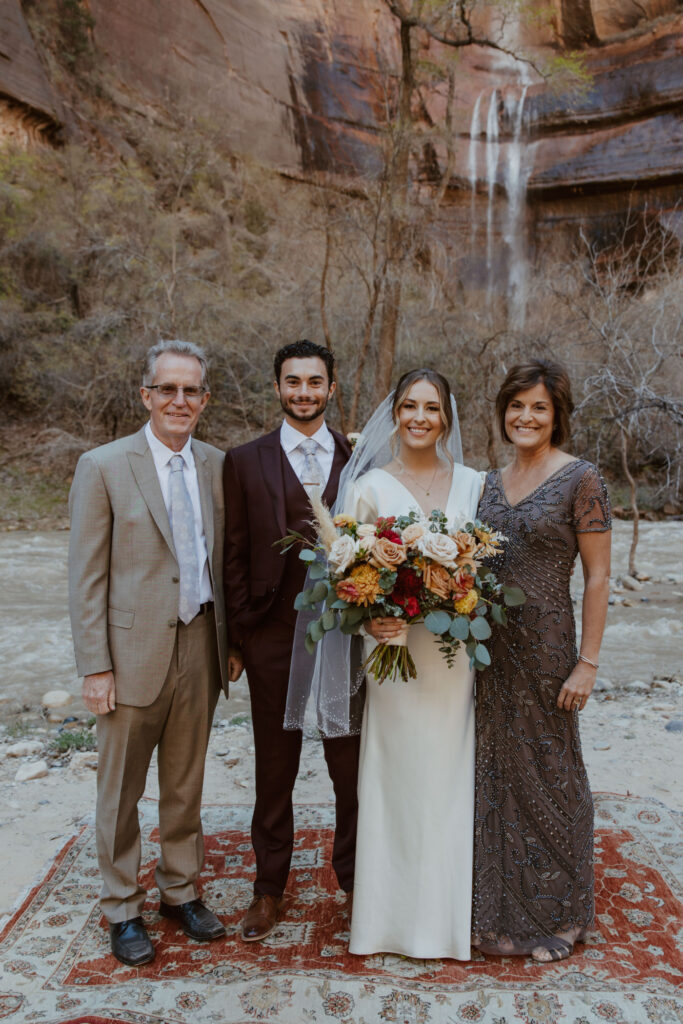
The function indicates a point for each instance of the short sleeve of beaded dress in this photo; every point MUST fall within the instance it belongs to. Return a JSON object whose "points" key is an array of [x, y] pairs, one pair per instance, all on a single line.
{"points": [[533, 869]]}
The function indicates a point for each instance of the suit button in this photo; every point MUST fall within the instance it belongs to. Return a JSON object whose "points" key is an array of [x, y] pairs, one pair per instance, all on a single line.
{"points": [[172, 623], [176, 579]]}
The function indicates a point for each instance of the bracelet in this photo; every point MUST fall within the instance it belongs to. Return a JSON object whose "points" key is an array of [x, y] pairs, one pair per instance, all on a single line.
{"points": [[588, 661]]}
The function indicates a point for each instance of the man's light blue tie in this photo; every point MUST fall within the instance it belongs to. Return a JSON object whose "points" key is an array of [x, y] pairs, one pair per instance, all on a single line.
{"points": [[182, 527], [313, 478]]}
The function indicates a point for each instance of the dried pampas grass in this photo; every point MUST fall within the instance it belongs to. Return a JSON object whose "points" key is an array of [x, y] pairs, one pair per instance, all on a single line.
{"points": [[323, 522]]}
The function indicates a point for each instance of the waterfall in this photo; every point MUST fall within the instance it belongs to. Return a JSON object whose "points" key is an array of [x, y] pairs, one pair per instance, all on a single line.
{"points": [[508, 153], [491, 169], [516, 175], [475, 132]]}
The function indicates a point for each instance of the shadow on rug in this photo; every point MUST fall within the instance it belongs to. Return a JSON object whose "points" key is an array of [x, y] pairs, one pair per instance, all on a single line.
{"points": [[55, 964]]}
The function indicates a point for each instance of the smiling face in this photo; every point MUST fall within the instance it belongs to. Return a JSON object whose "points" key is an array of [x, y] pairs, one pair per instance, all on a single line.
{"points": [[529, 418], [174, 418], [304, 390], [419, 418]]}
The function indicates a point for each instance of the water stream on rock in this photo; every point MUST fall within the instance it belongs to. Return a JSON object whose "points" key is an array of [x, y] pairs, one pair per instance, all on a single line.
{"points": [[510, 156]]}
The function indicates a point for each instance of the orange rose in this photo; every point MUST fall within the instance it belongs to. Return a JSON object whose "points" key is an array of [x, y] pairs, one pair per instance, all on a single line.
{"points": [[438, 580], [467, 546], [464, 581], [386, 554]]}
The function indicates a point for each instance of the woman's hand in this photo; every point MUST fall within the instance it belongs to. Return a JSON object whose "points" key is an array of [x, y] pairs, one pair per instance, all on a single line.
{"points": [[384, 628], [577, 688]]}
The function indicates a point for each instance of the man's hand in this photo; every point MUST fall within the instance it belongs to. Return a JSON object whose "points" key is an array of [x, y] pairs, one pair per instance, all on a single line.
{"points": [[235, 664], [99, 693]]}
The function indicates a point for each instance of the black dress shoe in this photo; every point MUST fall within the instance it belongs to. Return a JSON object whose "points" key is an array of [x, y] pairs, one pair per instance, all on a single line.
{"points": [[195, 919], [130, 942]]}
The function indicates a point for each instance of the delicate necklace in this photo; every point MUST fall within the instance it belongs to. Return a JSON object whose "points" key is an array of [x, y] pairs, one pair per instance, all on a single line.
{"points": [[422, 487]]}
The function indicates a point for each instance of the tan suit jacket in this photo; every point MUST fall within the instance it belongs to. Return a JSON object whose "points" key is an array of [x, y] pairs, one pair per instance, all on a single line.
{"points": [[123, 573]]}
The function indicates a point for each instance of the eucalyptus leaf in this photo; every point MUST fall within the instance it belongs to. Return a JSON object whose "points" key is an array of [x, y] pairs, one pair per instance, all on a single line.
{"points": [[482, 655], [307, 555], [316, 630], [498, 614], [316, 572], [309, 645], [354, 614], [319, 591], [480, 629], [299, 601], [460, 628], [438, 622], [349, 628], [339, 603], [513, 596], [329, 620]]}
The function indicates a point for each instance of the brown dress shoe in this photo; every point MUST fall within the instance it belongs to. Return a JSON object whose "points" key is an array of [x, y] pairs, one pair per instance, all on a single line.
{"points": [[261, 917]]}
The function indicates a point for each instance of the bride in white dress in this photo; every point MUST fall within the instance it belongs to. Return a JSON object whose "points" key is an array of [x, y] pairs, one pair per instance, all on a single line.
{"points": [[413, 879]]}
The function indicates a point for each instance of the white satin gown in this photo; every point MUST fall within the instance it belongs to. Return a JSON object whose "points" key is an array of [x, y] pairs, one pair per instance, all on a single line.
{"points": [[413, 878]]}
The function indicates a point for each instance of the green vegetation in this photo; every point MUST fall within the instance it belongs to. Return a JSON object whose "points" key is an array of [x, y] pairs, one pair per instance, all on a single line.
{"points": [[68, 740]]}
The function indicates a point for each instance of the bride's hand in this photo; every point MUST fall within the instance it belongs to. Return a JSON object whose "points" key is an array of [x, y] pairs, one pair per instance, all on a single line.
{"points": [[384, 629]]}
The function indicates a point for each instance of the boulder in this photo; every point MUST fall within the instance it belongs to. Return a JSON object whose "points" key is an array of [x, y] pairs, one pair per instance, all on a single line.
{"points": [[24, 748], [83, 762], [31, 770]]}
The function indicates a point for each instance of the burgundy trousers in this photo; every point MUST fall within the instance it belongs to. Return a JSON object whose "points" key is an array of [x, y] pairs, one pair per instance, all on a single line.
{"points": [[267, 652]]}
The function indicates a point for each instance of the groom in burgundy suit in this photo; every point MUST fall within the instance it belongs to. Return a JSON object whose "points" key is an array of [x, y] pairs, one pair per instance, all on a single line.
{"points": [[267, 482]]}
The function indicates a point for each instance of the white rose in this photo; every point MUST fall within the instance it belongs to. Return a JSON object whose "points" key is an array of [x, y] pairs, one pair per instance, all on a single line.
{"points": [[440, 547], [342, 553], [366, 530]]}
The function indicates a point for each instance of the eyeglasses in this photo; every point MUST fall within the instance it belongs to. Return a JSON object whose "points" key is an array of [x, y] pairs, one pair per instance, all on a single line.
{"points": [[171, 390]]}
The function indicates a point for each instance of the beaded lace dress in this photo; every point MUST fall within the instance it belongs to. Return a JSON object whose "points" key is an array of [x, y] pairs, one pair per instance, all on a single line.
{"points": [[533, 851]]}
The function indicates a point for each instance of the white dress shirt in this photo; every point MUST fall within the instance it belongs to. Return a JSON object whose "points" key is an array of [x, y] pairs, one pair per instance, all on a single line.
{"points": [[290, 438], [162, 456]]}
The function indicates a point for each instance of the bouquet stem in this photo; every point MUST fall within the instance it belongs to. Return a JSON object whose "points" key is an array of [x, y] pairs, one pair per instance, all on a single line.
{"points": [[388, 661]]}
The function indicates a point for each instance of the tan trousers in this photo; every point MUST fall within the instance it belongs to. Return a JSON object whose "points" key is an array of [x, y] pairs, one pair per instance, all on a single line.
{"points": [[178, 723]]}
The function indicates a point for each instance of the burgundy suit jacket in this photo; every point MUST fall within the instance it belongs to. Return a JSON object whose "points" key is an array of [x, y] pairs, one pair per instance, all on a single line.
{"points": [[255, 518]]}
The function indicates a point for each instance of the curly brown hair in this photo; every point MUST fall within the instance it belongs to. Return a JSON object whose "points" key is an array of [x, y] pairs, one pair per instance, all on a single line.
{"points": [[527, 375]]}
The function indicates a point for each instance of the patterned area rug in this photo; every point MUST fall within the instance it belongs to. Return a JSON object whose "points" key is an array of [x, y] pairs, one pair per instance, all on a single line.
{"points": [[56, 968]]}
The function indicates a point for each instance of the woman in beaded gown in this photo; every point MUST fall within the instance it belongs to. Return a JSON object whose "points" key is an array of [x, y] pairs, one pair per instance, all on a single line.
{"points": [[533, 870]]}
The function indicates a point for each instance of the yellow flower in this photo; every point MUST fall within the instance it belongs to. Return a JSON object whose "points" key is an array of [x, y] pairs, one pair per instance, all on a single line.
{"points": [[467, 604], [361, 586], [489, 542], [341, 519]]}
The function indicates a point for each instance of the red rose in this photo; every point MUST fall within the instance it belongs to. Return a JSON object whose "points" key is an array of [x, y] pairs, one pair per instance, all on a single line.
{"points": [[412, 607], [408, 584], [384, 529]]}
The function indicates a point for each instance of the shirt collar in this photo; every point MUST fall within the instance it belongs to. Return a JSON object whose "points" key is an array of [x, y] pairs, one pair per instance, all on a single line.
{"points": [[162, 453], [291, 438]]}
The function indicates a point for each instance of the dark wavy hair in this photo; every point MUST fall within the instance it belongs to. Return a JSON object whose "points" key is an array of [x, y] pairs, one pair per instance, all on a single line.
{"points": [[528, 375], [303, 350]]}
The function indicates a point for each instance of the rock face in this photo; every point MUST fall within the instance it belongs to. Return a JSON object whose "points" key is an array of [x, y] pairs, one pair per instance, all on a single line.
{"points": [[28, 104], [301, 84]]}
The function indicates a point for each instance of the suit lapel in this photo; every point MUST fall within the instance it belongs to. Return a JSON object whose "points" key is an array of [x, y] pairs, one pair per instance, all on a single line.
{"points": [[204, 480], [145, 473], [271, 466]]}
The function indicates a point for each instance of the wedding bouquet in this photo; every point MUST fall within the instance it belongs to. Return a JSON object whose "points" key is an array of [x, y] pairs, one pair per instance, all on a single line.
{"points": [[417, 567]]}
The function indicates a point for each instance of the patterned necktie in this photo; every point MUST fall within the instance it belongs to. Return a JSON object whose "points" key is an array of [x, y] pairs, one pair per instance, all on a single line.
{"points": [[312, 477], [182, 527]]}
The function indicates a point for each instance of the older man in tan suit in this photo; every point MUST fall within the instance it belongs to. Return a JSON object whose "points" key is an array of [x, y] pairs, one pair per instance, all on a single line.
{"points": [[148, 621]]}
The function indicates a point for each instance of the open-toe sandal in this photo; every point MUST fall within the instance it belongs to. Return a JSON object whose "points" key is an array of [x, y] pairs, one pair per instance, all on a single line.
{"points": [[558, 951]]}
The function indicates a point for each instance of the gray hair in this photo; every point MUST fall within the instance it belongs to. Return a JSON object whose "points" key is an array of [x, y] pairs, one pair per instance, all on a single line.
{"points": [[178, 348]]}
